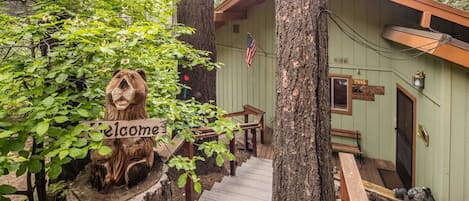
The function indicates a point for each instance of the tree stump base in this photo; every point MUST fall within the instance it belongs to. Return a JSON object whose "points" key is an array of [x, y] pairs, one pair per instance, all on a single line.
{"points": [[156, 187]]}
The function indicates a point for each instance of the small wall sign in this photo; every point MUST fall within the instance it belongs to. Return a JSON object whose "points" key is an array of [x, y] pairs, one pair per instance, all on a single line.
{"points": [[362, 91], [132, 128]]}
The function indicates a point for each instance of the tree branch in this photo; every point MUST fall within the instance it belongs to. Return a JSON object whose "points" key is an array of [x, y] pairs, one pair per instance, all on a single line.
{"points": [[26, 193], [14, 46]]}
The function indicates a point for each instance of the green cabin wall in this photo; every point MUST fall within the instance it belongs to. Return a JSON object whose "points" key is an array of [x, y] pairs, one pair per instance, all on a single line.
{"points": [[442, 107], [238, 85]]}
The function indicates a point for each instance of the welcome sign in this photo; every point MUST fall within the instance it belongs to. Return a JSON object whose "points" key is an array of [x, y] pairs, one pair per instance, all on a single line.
{"points": [[132, 128]]}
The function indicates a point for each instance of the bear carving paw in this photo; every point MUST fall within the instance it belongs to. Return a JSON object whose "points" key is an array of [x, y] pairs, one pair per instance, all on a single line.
{"points": [[98, 177], [136, 171]]}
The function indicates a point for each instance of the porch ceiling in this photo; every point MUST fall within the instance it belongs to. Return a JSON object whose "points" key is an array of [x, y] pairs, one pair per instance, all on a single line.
{"points": [[438, 44], [233, 10], [431, 7]]}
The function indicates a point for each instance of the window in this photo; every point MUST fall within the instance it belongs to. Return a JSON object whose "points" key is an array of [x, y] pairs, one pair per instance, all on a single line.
{"points": [[341, 94]]}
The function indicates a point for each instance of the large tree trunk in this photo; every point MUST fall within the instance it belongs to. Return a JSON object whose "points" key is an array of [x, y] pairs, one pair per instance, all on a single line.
{"points": [[302, 147], [198, 14]]}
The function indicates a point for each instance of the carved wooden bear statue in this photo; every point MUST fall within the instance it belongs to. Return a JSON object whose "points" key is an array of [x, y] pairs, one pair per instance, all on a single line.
{"points": [[131, 158]]}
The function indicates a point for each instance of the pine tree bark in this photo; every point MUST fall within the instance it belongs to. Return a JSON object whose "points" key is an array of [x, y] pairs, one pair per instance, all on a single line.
{"points": [[302, 146], [198, 14]]}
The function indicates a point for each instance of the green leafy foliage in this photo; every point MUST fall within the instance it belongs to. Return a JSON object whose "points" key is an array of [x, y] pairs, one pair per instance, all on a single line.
{"points": [[460, 4], [56, 58], [182, 180], [5, 190]]}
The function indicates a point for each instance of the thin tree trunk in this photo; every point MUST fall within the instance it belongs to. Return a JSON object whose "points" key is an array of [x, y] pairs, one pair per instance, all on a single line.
{"points": [[302, 147], [198, 14]]}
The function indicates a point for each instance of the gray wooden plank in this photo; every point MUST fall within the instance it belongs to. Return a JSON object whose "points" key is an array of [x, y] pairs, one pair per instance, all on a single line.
{"points": [[228, 196], [267, 161], [255, 170], [247, 183], [257, 163], [253, 182], [206, 196], [259, 178], [243, 191]]}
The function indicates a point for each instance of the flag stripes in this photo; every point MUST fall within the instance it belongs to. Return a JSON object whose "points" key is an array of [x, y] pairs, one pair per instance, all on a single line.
{"points": [[251, 50]]}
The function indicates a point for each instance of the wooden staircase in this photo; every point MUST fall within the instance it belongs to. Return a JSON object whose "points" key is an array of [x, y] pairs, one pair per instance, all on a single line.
{"points": [[253, 182]]}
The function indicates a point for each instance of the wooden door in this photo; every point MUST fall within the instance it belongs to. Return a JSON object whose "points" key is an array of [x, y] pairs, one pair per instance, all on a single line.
{"points": [[405, 137]]}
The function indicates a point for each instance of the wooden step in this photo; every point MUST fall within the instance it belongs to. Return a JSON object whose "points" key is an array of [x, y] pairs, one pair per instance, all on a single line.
{"points": [[266, 187], [255, 170], [255, 177], [260, 163], [253, 182], [226, 196], [242, 190]]}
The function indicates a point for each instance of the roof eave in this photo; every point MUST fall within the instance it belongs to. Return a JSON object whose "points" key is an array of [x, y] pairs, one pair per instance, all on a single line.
{"points": [[440, 45], [430, 7]]}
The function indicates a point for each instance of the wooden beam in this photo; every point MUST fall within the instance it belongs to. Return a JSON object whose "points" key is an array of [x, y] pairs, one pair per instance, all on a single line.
{"points": [[375, 188], [437, 44], [426, 20], [351, 183], [437, 9], [381, 191], [225, 16], [227, 5], [233, 10]]}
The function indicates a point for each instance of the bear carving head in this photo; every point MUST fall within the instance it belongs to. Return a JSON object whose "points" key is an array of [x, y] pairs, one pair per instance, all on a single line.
{"points": [[126, 95]]}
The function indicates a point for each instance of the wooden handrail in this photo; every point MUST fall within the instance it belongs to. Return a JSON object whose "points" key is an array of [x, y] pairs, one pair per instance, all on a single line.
{"points": [[252, 110], [235, 114], [351, 184], [207, 132]]}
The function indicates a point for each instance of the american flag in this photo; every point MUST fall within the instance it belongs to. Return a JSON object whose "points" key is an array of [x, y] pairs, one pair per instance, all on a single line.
{"points": [[251, 50]]}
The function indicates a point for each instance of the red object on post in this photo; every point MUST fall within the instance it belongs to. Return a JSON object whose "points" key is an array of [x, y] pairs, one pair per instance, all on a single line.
{"points": [[185, 78]]}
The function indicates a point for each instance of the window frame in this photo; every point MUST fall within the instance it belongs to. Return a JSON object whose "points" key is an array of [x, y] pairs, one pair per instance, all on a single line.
{"points": [[347, 111]]}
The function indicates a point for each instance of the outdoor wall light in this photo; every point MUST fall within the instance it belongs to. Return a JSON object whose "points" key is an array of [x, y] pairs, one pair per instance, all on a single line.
{"points": [[419, 80]]}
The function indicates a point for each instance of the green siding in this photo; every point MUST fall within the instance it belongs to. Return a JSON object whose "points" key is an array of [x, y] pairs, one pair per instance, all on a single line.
{"points": [[236, 83], [371, 118], [442, 107], [459, 157]]}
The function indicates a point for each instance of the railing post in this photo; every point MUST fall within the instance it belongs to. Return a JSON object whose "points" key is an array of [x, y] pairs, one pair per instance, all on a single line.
{"points": [[246, 142], [262, 129], [254, 142], [232, 151], [189, 152]]}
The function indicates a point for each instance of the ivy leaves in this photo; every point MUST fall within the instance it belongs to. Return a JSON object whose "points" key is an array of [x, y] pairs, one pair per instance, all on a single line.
{"points": [[188, 165], [58, 58]]}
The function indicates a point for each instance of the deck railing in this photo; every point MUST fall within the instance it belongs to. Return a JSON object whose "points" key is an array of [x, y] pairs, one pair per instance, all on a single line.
{"points": [[351, 184], [189, 152], [246, 126]]}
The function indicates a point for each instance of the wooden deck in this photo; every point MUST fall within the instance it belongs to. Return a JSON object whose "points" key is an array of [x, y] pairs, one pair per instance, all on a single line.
{"points": [[369, 169]]}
